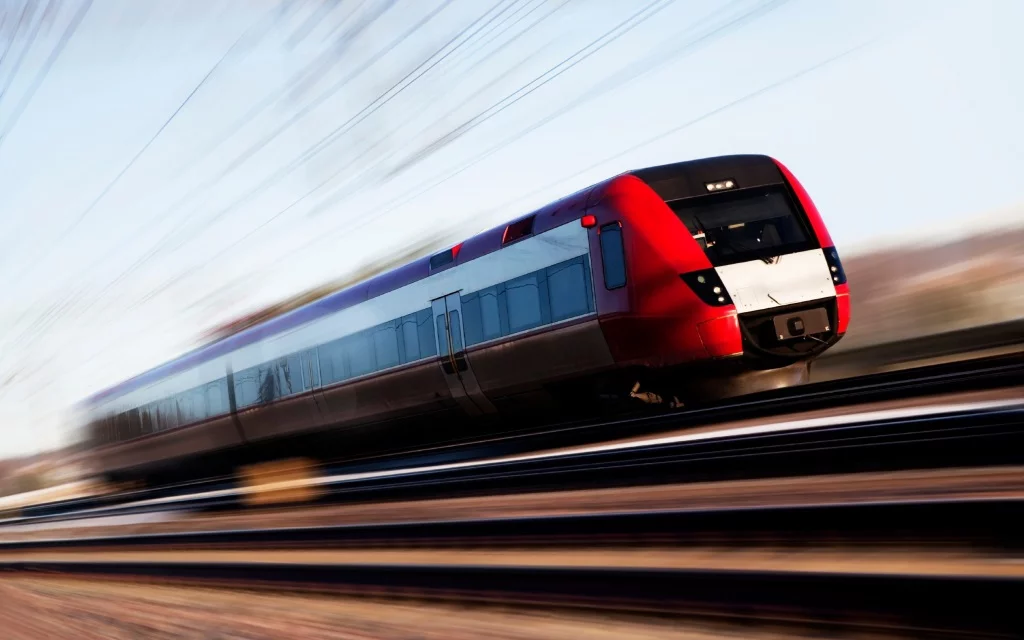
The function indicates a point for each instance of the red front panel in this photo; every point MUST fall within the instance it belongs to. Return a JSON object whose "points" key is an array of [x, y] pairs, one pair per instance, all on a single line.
{"points": [[653, 320], [808, 206]]}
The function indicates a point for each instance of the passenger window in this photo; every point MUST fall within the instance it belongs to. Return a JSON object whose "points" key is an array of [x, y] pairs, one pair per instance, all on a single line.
{"points": [[247, 387], [214, 399], [524, 303], [123, 429], [426, 339], [567, 288], [310, 370], [332, 362], [385, 345], [266, 374], [411, 337], [184, 403], [613, 256], [289, 376], [147, 419], [474, 325], [361, 359], [481, 318], [490, 316], [134, 426]]}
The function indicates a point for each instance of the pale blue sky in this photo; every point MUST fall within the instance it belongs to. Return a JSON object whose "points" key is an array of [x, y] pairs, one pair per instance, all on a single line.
{"points": [[105, 276]]}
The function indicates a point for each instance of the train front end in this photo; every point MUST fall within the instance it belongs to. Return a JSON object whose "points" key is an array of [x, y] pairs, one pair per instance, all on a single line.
{"points": [[738, 285]]}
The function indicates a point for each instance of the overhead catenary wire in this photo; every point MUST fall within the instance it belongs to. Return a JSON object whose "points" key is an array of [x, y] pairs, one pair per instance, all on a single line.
{"points": [[44, 71], [180, 224], [412, 76]]}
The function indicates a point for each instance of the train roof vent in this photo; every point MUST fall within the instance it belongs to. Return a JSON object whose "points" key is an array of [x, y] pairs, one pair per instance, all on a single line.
{"points": [[444, 258], [517, 230]]}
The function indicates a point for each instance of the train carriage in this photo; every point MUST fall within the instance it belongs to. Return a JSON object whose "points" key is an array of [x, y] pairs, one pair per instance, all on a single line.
{"points": [[684, 282]]}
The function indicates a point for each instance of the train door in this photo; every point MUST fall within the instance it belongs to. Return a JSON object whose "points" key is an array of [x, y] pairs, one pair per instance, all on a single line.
{"points": [[451, 354]]}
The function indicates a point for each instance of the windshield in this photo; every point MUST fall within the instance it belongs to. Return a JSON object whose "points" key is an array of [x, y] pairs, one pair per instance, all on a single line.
{"points": [[745, 225]]}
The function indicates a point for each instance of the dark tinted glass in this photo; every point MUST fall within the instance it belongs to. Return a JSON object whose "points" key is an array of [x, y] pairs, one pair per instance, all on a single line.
{"points": [[613, 256], [361, 359], [385, 345], [744, 225], [568, 290]]}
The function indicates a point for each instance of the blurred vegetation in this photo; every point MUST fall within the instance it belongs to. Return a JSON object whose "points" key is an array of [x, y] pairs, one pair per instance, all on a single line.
{"points": [[908, 292]]}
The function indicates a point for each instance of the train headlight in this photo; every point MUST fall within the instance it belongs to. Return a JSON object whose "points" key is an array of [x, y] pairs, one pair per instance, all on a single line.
{"points": [[721, 185], [708, 287], [835, 265]]}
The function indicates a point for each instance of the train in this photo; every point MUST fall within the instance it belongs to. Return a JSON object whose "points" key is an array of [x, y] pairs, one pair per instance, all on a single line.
{"points": [[671, 285]]}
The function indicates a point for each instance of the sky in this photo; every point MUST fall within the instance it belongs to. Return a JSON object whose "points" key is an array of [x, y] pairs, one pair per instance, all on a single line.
{"points": [[166, 167]]}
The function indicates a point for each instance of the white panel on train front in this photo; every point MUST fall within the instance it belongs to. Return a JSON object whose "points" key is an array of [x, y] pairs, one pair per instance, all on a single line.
{"points": [[788, 279]]}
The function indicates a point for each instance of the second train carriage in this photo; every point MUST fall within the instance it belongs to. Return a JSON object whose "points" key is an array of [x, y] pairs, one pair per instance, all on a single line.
{"points": [[694, 280]]}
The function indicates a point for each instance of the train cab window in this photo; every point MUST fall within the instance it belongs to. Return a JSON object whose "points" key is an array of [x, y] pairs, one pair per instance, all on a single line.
{"points": [[613, 256], [743, 225]]}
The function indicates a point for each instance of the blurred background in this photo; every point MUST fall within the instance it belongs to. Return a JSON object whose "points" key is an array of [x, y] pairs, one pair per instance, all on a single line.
{"points": [[172, 172]]}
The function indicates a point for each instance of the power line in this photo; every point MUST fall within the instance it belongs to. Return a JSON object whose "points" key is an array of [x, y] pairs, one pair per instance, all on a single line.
{"points": [[30, 39], [277, 175], [164, 242], [76, 20], [14, 30], [92, 205], [629, 74], [423, 130], [623, 27], [155, 250], [659, 137], [632, 72], [613, 34]]}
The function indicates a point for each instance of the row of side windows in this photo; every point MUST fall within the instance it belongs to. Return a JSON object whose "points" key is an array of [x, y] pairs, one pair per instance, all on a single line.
{"points": [[549, 295], [195, 405], [386, 345], [546, 296]]}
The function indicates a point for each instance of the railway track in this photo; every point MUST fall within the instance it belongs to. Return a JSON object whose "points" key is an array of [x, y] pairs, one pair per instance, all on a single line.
{"points": [[662, 563], [971, 437], [916, 567], [983, 373]]}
